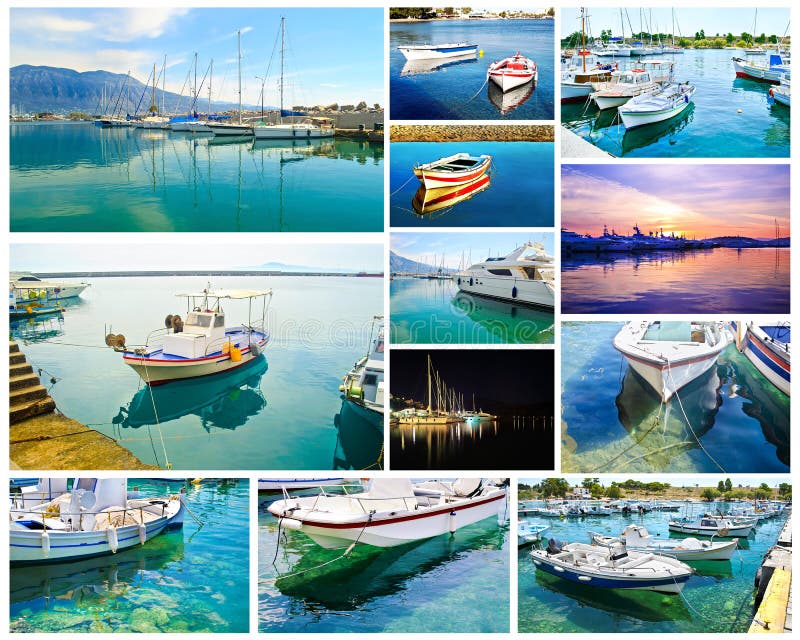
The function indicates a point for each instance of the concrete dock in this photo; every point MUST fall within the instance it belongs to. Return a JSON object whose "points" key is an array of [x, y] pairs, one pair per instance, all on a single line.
{"points": [[573, 146], [773, 598]]}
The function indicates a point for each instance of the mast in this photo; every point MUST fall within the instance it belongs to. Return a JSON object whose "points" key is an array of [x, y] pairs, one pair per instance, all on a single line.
{"points": [[239, 38], [153, 106], [583, 38], [283, 35], [429, 384], [164, 87], [210, 75], [194, 102]]}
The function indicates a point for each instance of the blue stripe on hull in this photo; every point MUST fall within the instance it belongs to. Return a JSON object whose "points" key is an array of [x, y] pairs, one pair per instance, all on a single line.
{"points": [[762, 353], [609, 583]]}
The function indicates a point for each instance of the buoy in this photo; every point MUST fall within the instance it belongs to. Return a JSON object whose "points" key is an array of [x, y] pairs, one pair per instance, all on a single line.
{"points": [[113, 541], [453, 526], [45, 543], [291, 523], [197, 480], [480, 53], [142, 533], [738, 111]]}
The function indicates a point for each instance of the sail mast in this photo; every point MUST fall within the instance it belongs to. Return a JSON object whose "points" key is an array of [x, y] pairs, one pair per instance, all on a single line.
{"points": [[283, 35], [583, 38], [429, 383], [239, 38], [210, 76]]}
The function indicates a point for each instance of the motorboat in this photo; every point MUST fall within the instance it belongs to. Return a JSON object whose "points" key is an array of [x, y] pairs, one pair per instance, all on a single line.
{"points": [[772, 71], [427, 201], [420, 66], [279, 485], [662, 103], [31, 309], [27, 286], [431, 51], [669, 355], [612, 567], [767, 346], [201, 345], [363, 385], [581, 72], [782, 93], [709, 525], [529, 532], [525, 275], [611, 50], [630, 83], [512, 72], [96, 518], [458, 169], [391, 511], [636, 538]]}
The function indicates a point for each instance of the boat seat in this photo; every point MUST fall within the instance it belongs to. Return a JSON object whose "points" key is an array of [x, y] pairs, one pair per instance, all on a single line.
{"points": [[637, 562]]}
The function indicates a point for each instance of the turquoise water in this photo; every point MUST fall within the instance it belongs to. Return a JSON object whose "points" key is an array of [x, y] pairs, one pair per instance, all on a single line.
{"points": [[446, 584], [520, 192], [609, 414], [717, 599], [78, 177], [193, 579], [434, 312], [281, 411], [710, 128], [457, 91]]}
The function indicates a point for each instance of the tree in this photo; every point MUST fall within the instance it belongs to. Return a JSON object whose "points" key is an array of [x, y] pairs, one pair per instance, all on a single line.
{"points": [[557, 487], [614, 492], [748, 39], [729, 38], [728, 484], [551, 12], [773, 39], [588, 482], [762, 38], [721, 486], [762, 494], [596, 490], [785, 490], [710, 494]]}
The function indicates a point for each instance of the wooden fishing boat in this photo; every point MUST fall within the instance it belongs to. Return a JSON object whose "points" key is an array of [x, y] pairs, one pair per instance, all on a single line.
{"points": [[662, 103], [637, 538], [767, 346], [708, 525], [774, 69], [428, 201], [513, 72], [452, 171], [430, 51]]}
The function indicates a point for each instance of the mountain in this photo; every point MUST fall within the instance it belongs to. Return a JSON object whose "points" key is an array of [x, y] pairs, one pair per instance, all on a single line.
{"points": [[399, 264], [294, 268], [40, 89]]}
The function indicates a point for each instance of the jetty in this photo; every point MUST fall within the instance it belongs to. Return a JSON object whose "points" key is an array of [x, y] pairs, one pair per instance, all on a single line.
{"points": [[472, 133], [42, 438], [573, 146], [773, 600]]}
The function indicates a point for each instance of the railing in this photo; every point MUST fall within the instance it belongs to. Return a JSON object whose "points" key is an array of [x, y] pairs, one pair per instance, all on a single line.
{"points": [[68, 516]]}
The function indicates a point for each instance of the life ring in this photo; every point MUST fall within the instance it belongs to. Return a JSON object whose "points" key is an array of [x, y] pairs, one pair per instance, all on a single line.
{"points": [[771, 93], [513, 292], [616, 65]]}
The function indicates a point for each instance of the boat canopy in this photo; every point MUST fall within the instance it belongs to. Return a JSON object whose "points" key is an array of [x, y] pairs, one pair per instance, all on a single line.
{"points": [[669, 331], [227, 294]]}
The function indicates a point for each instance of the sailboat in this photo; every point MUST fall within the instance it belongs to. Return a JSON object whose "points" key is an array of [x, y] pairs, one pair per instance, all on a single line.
{"points": [[230, 128], [288, 131], [754, 50], [428, 415], [154, 121]]}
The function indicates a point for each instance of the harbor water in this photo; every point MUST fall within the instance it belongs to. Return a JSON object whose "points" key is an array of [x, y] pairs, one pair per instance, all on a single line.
{"points": [[78, 177], [280, 411], [710, 280], [520, 191], [718, 598], [188, 580], [427, 311], [729, 117], [458, 90], [612, 421], [401, 589]]}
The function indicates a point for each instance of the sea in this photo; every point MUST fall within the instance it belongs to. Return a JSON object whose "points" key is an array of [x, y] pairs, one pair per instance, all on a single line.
{"points": [[719, 280], [79, 177], [612, 421], [446, 584], [519, 194], [458, 89], [280, 411], [729, 117], [435, 312], [189, 580], [717, 599]]}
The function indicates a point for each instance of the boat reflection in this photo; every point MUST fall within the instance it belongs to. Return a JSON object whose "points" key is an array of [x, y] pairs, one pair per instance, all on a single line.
{"points": [[359, 441], [641, 137], [428, 201], [38, 329], [222, 401], [492, 315], [633, 260], [506, 102], [418, 67]]}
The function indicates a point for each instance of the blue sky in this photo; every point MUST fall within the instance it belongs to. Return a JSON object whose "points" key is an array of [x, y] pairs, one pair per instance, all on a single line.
{"points": [[424, 246], [688, 21], [332, 55]]}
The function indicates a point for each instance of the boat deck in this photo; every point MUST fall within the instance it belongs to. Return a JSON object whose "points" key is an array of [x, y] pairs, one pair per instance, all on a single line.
{"points": [[236, 336]]}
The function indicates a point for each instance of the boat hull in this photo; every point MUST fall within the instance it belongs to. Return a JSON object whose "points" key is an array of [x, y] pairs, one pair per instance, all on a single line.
{"points": [[757, 72], [428, 201], [531, 292], [230, 129], [575, 91], [610, 102], [781, 95], [278, 132], [430, 53], [434, 179], [773, 365], [70, 291], [632, 120], [732, 531]]}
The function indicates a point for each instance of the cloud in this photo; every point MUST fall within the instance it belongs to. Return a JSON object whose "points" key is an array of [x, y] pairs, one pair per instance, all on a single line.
{"points": [[124, 25]]}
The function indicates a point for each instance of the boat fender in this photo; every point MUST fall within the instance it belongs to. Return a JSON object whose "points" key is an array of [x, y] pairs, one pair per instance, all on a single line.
{"points": [[470, 282], [513, 292], [142, 533], [771, 93], [113, 541], [291, 523], [255, 349], [45, 543], [453, 526], [459, 280]]}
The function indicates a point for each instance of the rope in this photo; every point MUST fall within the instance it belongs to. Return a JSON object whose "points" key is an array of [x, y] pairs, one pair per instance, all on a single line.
{"points": [[155, 413], [378, 464], [689, 604], [189, 511], [74, 344], [636, 443], [402, 185], [477, 92]]}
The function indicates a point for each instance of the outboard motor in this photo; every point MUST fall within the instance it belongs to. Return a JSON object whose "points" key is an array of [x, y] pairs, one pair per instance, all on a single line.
{"points": [[554, 546]]}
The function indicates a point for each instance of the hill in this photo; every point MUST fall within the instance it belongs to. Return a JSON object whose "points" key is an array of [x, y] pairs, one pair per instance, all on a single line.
{"points": [[399, 264]]}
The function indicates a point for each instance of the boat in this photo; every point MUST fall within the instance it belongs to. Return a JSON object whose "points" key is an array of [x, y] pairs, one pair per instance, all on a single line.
{"points": [[583, 69], [391, 511], [612, 567], [239, 128], [31, 309], [529, 532], [782, 93], [430, 51], [154, 120], [442, 414], [512, 72], [708, 525], [96, 518], [201, 345], [631, 83], [27, 286], [427, 201], [767, 346], [422, 66], [278, 485], [455, 170], [773, 71], [754, 50], [363, 385], [663, 103], [669, 355], [526, 275], [636, 538]]}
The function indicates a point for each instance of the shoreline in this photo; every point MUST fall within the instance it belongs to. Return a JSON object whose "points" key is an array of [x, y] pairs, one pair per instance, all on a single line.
{"points": [[471, 133]]}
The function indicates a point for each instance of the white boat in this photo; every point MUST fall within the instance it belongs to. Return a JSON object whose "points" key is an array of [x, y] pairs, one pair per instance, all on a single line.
{"points": [[27, 286], [513, 72], [455, 170], [363, 385], [391, 511], [612, 50], [529, 532], [525, 276], [772, 71], [612, 567], [669, 355], [767, 346], [439, 413], [95, 518], [201, 345], [581, 73], [708, 525], [278, 485], [637, 538], [237, 128], [422, 66], [431, 51], [782, 93], [663, 103], [630, 83]]}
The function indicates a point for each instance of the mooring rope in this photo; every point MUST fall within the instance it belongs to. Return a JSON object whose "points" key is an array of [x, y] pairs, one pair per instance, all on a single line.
{"points": [[477, 92], [402, 185], [155, 413]]}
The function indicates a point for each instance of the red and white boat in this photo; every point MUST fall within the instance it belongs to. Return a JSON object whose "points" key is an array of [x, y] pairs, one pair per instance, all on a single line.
{"points": [[513, 71], [452, 171], [431, 200], [391, 512]]}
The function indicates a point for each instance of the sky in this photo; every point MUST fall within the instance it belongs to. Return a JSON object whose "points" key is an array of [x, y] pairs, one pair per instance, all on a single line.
{"points": [[332, 55], [771, 21], [712, 200], [422, 247], [186, 257], [706, 480]]}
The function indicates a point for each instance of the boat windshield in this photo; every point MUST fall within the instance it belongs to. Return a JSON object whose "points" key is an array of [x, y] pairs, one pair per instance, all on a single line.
{"points": [[669, 332]]}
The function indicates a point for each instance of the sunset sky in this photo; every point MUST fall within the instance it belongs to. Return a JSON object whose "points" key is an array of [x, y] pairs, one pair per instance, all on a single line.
{"points": [[700, 201]]}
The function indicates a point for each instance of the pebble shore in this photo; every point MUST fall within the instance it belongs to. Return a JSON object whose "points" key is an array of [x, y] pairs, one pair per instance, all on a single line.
{"points": [[465, 133]]}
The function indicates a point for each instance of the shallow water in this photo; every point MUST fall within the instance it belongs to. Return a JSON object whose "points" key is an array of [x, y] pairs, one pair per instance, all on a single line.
{"points": [[79, 177], [711, 127], [457, 91], [434, 312], [193, 579], [609, 414]]}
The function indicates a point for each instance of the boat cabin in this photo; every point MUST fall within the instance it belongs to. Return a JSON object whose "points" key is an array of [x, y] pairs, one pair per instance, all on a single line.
{"points": [[203, 333]]}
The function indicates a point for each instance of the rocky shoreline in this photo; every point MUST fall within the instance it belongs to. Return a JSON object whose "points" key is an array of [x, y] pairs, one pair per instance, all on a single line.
{"points": [[466, 133]]}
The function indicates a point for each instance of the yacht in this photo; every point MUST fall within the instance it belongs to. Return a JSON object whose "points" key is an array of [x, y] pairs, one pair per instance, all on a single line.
{"points": [[363, 384], [28, 287]]}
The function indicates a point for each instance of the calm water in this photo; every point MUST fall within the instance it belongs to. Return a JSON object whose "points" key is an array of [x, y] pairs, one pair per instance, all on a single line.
{"points": [[282, 411], [520, 192], [185, 580], [709, 128], [719, 595], [444, 584], [609, 413], [722, 280], [78, 177], [457, 91], [435, 312]]}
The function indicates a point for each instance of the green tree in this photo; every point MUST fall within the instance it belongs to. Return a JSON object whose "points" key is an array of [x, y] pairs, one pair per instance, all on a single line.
{"points": [[729, 38], [785, 490], [588, 482], [762, 494], [614, 492], [773, 39], [762, 38], [557, 487], [551, 12], [710, 494], [721, 486], [748, 39], [596, 490], [728, 484]]}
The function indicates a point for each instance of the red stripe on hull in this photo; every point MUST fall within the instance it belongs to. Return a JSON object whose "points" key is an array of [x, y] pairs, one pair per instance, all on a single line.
{"points": [[768, 352], [459, 192], [742, 74], [158, 383]]}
